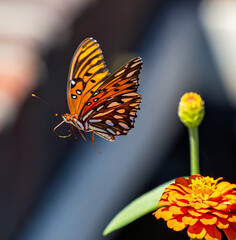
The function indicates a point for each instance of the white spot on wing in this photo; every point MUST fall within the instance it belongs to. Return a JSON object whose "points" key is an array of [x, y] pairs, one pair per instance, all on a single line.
{"points": [[99, 108], [80, 125], [118, 73], [117, 117], [95, 120], [86, 115], [126, 99], [135, 64], [97, 129], [131, 118], [111, 131], [78, 92], [132, 94], [110, 98], [113, 104], [123, 125], [109, 123], [106, 136], [86, 126], [120, 110], [104, 113], [130, 74]]}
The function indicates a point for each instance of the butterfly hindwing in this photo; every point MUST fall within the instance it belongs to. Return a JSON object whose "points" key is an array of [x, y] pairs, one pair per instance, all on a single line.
{"points": [[87, 72], [112, 108], [117, 120]]}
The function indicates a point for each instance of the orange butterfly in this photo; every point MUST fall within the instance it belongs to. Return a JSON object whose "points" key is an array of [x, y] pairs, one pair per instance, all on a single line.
{"points": [[99, 102]]}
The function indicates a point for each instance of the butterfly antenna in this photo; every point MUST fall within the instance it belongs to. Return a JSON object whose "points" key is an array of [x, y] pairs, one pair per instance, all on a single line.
{"points": [[66, 136], [41, 100], [45, 102]]}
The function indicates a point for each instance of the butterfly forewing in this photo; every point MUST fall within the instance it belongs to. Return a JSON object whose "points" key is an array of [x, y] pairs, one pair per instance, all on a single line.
{"points": [[87, 72], [112, 108]]}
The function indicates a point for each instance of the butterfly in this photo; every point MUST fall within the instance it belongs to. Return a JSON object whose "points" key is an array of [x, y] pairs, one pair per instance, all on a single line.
{"points": [[100, 102]]}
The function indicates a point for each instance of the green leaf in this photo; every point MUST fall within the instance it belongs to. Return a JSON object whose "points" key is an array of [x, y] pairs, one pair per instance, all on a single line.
{"points": [[137, 208]]}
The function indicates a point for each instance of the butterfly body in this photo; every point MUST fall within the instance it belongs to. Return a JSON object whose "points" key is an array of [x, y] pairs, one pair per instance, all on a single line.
{"points": [[73, 119], [98, 101]]}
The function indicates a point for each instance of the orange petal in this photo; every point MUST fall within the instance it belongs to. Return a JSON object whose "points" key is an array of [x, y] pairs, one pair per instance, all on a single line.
{"points": [[211, 203], [163, 213], [201, 205], [177, 210], [174, 196], [185, 189], [163, 203], [157, 213], [194, 212], [212, 233], [231, 195], [208, 219], [182, 181], [177, 188], [222, 185], [176, 224], [181, 189], [220, 214], [197, 231], [230, 187], [165, 195], [232, 218], [222, 223], [221, 207], [193, 177], [182, 203], [203, 210], [189, 198], [189, 220], [215, 194], [230, 232]]}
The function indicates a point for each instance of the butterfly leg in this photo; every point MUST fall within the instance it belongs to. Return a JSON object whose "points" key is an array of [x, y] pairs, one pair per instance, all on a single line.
{"points": [[82, 134], [92, 140], [71, 126], [94, 143]]}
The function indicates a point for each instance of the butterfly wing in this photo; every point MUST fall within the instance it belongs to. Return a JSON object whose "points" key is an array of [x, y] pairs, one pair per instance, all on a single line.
{"points": [[87, 73], [111, 110]]}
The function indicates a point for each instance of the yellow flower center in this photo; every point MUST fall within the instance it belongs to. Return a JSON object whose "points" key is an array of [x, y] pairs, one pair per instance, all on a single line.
{"points": [[203, 187]]}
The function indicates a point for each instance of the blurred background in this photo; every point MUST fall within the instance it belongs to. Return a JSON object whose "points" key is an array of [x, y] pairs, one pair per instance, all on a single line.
{"points": [[54, 188]]}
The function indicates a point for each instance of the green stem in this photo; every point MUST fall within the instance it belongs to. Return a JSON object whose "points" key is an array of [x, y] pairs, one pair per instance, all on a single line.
{"points": [[194, 150]]}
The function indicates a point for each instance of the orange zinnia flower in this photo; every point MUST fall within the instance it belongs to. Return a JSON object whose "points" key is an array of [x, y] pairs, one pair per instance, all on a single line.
{"points": [[202, 204]]}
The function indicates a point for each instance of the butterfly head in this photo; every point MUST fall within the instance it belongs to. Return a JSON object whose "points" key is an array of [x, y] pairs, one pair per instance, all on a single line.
{"points": [[66, 117]]}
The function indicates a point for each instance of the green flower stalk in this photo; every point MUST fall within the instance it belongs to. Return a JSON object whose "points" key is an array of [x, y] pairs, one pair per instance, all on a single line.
{"points": [[191, 112]]}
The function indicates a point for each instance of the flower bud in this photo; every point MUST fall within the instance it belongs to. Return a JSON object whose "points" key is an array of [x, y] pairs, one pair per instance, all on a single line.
{"points": [[191, 109]]}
